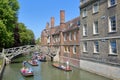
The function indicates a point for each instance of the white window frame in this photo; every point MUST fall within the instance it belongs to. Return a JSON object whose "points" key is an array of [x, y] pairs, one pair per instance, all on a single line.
{"points": [[74, 50], [65, 37], [75, 35], [48, 39], [65, 48], [96, 46], [110, 3], [85, 47], [96, 7], [84, 13], [95, 27], [111, 47], [68, 49], [53, 39], [58, 38], [70, 36], [85, 30], [111, 24], [71, 24]]}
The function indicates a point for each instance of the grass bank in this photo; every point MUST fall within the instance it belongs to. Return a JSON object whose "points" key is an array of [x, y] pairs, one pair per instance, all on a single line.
{"points": [[1, 62]]}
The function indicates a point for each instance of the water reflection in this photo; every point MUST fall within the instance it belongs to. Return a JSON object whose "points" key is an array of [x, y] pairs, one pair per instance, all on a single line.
{"points": [[45, 71]]}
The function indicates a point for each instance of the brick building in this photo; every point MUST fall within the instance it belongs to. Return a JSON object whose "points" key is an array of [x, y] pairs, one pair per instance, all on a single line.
{"points": [[64, 37]]}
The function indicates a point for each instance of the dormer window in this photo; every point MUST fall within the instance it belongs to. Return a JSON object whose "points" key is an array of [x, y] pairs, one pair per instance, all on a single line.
{"points": [[78, 23], [70, 25]]}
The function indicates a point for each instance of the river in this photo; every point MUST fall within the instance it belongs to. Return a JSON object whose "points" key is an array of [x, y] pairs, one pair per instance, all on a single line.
{"points": [[45, 71]]}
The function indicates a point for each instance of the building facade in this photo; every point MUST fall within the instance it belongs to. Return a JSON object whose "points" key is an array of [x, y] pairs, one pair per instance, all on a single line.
{"points": [[65, 38], [100, 36]]}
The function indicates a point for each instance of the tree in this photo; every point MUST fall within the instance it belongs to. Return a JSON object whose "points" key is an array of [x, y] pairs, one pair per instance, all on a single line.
{"points": [[38, 41], [26, 35], [8, 17], [10, 34], [16, 37]]}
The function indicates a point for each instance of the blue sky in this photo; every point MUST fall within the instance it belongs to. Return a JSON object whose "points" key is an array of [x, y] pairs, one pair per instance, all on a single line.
{"points": [[36, 13]]}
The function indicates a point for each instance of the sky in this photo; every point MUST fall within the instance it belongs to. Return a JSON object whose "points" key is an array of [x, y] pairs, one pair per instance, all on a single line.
{"points": [[36, 13]]}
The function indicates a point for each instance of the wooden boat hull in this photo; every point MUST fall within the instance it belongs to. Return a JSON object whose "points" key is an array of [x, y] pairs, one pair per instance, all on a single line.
{"points": [[26, 74], [42, 60], [30, 62], [59, 67]]}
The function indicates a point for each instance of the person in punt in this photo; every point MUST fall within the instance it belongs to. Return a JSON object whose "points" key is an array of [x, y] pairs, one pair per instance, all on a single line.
{"points": [[29, 70], [63, 67], [67, 67], [24, 70], [24, 63]]}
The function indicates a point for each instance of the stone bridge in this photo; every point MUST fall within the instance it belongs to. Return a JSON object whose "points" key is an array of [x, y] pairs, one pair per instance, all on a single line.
{"points": [[10, 53]]}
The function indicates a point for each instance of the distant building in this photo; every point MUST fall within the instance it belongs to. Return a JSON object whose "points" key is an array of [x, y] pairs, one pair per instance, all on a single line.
{"points": [[64, 37]]}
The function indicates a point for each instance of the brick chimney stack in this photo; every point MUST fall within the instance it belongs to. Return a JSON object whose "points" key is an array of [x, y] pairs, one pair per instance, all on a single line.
{"points": [[62, 25], [52, 21], [47, 25], [62, 16]]}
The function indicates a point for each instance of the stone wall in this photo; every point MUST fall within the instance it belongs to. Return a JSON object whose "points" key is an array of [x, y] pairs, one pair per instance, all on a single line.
{"points": [[109, 71]]}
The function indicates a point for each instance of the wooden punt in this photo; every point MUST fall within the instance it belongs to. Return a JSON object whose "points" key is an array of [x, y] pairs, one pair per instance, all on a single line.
{"points": [[56, 65]]}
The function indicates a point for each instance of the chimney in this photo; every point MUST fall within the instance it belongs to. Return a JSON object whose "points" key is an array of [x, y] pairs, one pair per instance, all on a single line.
{"points": [[62, 16], [52, 21], [47, 25]]}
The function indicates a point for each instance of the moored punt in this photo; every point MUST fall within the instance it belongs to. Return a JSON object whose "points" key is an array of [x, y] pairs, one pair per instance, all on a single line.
{"points": [[61, 67], [33, 62]]}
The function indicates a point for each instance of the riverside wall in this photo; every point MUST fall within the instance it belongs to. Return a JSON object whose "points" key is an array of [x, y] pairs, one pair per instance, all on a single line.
{"points": [[109, 71]]}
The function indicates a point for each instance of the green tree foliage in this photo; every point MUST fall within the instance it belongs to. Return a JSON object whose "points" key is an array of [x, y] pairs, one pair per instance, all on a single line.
{"points": [[8, 20], [16, 36], [8, 13], [8, 16], [38, 41], [5, 36], [26, 35]]}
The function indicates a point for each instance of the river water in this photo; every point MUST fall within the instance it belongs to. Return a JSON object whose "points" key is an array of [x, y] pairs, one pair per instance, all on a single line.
{"points": [[45, 71]]}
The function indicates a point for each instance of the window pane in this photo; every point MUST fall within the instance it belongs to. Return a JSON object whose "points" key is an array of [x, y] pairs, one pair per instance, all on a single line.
{"points": [[112, 2], [84, 12], [113, 46], [96, 46], [95, 27], [74, 49], [75, 35], [95, 7], [85, 30], [113, 23], [70, 36], [85, 47]]}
